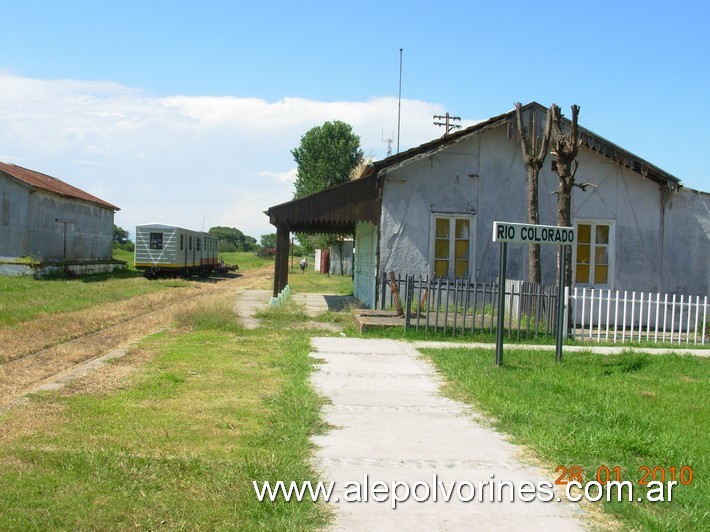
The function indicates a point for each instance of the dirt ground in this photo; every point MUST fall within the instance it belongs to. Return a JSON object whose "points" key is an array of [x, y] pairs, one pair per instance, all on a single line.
{"points": [[41, 351]]}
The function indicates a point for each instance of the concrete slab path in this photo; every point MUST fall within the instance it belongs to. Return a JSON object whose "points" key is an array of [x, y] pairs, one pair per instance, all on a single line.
{"points": [[315, 304], [591, 347], [249, 302], [392, 425]]}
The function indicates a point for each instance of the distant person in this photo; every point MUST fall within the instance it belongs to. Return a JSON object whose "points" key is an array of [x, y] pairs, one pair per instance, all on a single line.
{"points": [[304, 265]]}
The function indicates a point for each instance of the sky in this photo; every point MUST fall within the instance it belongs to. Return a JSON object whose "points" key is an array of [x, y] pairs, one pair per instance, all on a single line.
{"points": [[186, 112]]}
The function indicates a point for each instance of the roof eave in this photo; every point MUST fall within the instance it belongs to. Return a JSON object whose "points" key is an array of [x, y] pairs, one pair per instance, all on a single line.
{"points": [[591, 140]]}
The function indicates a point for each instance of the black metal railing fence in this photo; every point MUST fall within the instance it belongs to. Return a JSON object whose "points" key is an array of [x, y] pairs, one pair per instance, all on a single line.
{"points": [[464, 306]]}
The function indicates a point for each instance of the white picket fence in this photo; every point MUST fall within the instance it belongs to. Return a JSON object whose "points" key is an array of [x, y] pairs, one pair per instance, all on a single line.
{"points": [[606, 315]]}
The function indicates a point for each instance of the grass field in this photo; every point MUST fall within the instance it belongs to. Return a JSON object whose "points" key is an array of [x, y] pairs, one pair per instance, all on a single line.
{"points": [[126, 256], [172, 435], [212, 406], [245, 260], [308, 281], [631, 411], [176, 444], [311, 281], [23, 298]]}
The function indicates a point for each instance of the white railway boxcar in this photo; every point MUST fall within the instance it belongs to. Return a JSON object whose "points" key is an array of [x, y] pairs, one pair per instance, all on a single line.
{"points": [[169, 250]]}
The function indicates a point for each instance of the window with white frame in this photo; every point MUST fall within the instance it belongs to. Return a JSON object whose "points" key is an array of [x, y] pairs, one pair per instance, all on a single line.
{"points": [[451, 245], [593, 264]]}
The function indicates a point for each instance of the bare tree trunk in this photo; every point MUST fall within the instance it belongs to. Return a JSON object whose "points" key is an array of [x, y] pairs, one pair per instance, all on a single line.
{"points": [[533, 162], [564, 218], [534, 266], [565, 148]]}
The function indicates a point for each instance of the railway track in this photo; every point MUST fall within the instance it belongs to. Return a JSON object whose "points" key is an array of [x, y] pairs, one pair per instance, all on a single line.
{"points": [[24, 372]]}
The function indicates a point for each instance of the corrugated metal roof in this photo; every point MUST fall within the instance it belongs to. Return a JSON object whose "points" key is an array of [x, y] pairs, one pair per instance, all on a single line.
{"points": [[52, 184]]}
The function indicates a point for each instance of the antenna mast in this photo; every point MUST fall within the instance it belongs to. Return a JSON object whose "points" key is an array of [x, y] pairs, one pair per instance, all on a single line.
{"points": [[399, 110]]}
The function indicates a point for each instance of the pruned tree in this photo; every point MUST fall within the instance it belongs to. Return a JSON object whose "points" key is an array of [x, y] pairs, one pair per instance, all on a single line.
{"points": [[565, 147], [534, 151]]}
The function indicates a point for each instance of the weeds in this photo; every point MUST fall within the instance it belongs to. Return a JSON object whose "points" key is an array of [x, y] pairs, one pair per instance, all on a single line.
{"points": [[213, 314], [214, 408]]}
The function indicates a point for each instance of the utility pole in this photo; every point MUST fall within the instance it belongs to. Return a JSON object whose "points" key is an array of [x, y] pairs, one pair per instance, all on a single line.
{"points": [[447, 122], [388, 142]]}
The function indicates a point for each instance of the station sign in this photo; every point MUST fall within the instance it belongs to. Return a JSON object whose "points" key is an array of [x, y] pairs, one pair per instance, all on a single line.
{"points": [[532, 234]]}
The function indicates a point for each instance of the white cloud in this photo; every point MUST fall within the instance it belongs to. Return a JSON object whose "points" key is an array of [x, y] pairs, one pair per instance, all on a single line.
{"points": [[181, 159], [288, 176]]}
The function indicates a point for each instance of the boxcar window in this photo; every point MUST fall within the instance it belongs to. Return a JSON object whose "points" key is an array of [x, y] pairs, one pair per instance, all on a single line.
{"points": [[199, 246], [156, 241], [190, 243], [182, 242]]}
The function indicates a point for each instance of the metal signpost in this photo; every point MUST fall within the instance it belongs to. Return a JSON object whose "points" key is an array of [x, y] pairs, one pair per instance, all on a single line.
{"points": [[513, 233]]}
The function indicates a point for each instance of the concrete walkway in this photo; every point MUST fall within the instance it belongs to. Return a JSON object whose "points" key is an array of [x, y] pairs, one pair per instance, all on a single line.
{"points": [[249, 302], [391, 424], [590, 347], [315, 304]]}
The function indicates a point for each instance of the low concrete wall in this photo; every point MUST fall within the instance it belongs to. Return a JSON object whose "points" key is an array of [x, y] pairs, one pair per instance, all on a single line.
{"points": [[39, 270]]}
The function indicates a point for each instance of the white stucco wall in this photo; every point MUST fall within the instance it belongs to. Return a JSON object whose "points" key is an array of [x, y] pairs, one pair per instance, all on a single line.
{"points": [[634, 205], [482, 176], [485, 176], [686, 243]]}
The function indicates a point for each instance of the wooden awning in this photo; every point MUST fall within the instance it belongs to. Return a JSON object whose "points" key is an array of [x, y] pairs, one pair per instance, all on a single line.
{"points": [[334, 210]]}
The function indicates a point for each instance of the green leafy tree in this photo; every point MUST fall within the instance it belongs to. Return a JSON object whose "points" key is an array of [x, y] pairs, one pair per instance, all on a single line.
{"points": [[120, 235], [308, 243], [226, 247], [232, 239], [121, 240], [249, 243], [268, 241], [326, 157], [298, 250]]}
